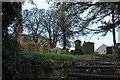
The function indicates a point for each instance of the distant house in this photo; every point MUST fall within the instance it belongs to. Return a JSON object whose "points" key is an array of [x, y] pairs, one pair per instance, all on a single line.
{"points": [[102, 49], [109, 49]]}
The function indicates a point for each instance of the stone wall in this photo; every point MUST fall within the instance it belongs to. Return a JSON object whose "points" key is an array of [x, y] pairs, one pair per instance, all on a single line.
{"points": [[35, 48], [28, 45], [61, 69]]}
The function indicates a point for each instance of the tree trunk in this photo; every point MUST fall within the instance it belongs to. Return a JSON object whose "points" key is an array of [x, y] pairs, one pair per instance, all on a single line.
{"points": [[50, 40], [54, 41], [35, 39], [113, 31], [114, 41], [64, 41]]}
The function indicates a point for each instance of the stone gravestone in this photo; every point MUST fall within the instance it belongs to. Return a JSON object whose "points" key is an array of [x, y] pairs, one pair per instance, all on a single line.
{"points": [[78, 47], [109, 50], [88, 47], [77, 44]]}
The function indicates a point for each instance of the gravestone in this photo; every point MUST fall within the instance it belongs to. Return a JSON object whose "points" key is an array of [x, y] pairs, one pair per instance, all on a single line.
{"points": [[88, 47], [77, 44], [118, 47], [78, 47], [109, 50]]}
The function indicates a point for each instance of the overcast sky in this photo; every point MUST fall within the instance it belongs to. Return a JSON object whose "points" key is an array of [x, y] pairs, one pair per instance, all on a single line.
{"points": [[97, 39]]}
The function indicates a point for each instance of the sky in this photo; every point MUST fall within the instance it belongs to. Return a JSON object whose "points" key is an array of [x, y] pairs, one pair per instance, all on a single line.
{"points": [[41, 4], [97, 39]]}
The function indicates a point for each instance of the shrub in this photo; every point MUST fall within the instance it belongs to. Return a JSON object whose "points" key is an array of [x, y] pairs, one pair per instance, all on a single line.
{"points": [[15, 65], [10, 46], [25, 66]]}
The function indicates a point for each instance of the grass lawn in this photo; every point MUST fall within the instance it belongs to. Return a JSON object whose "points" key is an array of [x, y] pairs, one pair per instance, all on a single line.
{"points": [[59, 57]]}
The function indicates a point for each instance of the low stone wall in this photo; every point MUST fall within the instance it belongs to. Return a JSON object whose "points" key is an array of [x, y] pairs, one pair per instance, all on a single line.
{"points": [[32, 47], [61, 69]]}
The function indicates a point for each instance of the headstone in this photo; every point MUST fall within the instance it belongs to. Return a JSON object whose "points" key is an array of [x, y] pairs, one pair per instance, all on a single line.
{"points": [[88, 47], [109, 50], [78, 47], [118, 47], [77, 44]]}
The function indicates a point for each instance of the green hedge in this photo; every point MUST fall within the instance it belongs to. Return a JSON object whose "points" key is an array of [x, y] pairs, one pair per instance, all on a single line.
{"points": [[22, 66]]}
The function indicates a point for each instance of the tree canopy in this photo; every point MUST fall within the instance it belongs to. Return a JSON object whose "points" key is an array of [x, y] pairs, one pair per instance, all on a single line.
{"points": [[14, 12], [108, 15]]}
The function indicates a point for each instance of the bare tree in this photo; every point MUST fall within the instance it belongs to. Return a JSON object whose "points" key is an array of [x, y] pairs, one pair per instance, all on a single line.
{"points": [[49, 23], [32, 21]]}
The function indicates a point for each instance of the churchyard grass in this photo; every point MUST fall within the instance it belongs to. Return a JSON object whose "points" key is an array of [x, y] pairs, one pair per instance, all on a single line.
{"points": [[54, 56]]}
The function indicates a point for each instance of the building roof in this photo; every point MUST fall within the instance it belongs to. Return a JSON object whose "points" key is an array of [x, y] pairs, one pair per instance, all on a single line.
{"points": [[101, 46]]}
